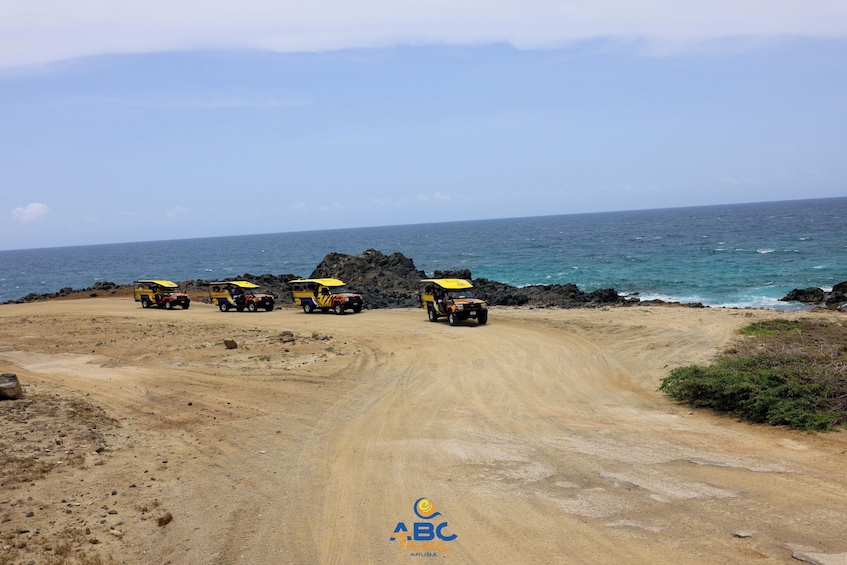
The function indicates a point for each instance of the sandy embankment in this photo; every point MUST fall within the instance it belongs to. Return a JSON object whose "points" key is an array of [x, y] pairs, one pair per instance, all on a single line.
{"points": [[540, 438]]}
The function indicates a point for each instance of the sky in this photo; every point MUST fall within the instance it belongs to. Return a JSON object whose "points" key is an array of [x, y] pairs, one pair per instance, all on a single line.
{"points": [[170, 120]]}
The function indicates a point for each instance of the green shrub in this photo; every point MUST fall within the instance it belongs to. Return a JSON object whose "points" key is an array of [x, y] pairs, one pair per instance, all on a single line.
{"points": [[771, 327], [803, 390]]}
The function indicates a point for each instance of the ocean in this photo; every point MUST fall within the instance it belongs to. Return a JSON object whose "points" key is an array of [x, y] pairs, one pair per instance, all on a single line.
{"points": [[740, 255]]}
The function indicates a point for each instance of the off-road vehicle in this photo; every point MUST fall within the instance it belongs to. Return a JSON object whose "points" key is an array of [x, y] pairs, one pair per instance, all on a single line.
{"points": [[324, 295], [161, 293], [239, 295], [452, 298]]}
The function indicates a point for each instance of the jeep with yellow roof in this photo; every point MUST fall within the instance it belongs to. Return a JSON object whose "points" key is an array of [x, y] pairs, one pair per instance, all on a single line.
{"points": [[324, 295], [239, 295], [452, 298], [159, 292]]}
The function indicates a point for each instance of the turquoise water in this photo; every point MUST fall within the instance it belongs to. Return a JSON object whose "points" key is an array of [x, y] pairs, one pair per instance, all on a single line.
{"points": [[733, 255]]}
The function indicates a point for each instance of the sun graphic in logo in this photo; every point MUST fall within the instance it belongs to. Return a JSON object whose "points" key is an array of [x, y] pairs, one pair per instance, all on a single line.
{"points": [[425, 509]]}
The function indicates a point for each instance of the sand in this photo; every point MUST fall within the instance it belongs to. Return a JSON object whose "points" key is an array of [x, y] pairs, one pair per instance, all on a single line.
{"points": [[539, 438]]}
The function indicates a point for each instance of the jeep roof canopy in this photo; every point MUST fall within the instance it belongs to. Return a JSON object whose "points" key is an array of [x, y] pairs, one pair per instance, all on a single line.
{"points": [[324, 282], [160, 282], [450, 284], [240, 284]]}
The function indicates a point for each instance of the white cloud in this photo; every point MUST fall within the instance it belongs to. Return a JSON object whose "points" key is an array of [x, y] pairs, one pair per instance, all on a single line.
{"points": [[40, 31], [30, 212]]}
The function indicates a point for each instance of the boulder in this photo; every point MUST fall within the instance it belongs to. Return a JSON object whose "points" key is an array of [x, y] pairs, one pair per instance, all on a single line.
{"points": [[384, 281], [10, 387], [814, 295], [808, 295]]}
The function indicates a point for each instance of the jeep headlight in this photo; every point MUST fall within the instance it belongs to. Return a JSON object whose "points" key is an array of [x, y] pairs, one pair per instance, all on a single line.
{"points": [[460, 307]]}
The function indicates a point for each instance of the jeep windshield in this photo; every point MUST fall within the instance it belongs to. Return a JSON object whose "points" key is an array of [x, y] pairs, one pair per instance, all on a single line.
{"points": [[464, 293], [338, 289]]}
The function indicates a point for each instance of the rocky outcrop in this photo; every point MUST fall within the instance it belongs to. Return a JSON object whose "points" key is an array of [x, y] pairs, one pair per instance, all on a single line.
{"points": [[811, 294], [393, 281], [835, 299], [384, 281]]}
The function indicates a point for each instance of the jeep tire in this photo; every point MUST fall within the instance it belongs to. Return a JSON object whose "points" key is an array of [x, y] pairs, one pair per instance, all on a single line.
{"points": [[339, 309], [251, 307], [433, 317], [452, 319], [224, 306], [168, 305], [482, 317], [308, 308], [145, 303]]}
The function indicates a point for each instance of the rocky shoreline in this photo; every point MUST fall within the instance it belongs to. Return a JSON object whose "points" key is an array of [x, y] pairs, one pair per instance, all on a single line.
{"points": [[393, 281]]}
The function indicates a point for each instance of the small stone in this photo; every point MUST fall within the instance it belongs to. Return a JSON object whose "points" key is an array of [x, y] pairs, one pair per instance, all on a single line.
{"points": [[741, 534], [230, 344], [165, 518], [10, 387], [93, 541]]}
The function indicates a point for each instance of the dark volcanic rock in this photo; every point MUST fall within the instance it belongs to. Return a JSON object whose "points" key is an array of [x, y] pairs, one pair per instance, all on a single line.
{"points": [[459, 274], [384, 281], [811, 294], [559, 295], [837, 298]]}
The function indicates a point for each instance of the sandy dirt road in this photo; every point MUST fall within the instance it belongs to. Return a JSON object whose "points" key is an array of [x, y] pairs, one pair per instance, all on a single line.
{"points": [[539, 438]]}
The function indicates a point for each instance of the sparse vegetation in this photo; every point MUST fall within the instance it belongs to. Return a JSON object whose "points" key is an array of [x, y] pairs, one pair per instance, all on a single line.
{"points": [[783, 372]]}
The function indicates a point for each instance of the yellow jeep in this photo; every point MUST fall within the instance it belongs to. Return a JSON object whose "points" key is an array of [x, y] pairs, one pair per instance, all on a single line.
{"points": [[239, 295], [325, 295], [452, 298], [161, 293]]}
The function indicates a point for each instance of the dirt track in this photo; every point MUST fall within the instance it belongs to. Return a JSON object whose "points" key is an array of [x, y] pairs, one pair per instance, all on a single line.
{"points": [[540, 438]]}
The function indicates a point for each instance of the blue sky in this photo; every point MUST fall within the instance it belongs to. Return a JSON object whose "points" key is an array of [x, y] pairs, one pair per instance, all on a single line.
{"points": [[168, 121]]}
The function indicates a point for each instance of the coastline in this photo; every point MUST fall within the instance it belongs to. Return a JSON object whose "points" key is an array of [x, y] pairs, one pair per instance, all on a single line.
{"points": [[393, 281]]}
